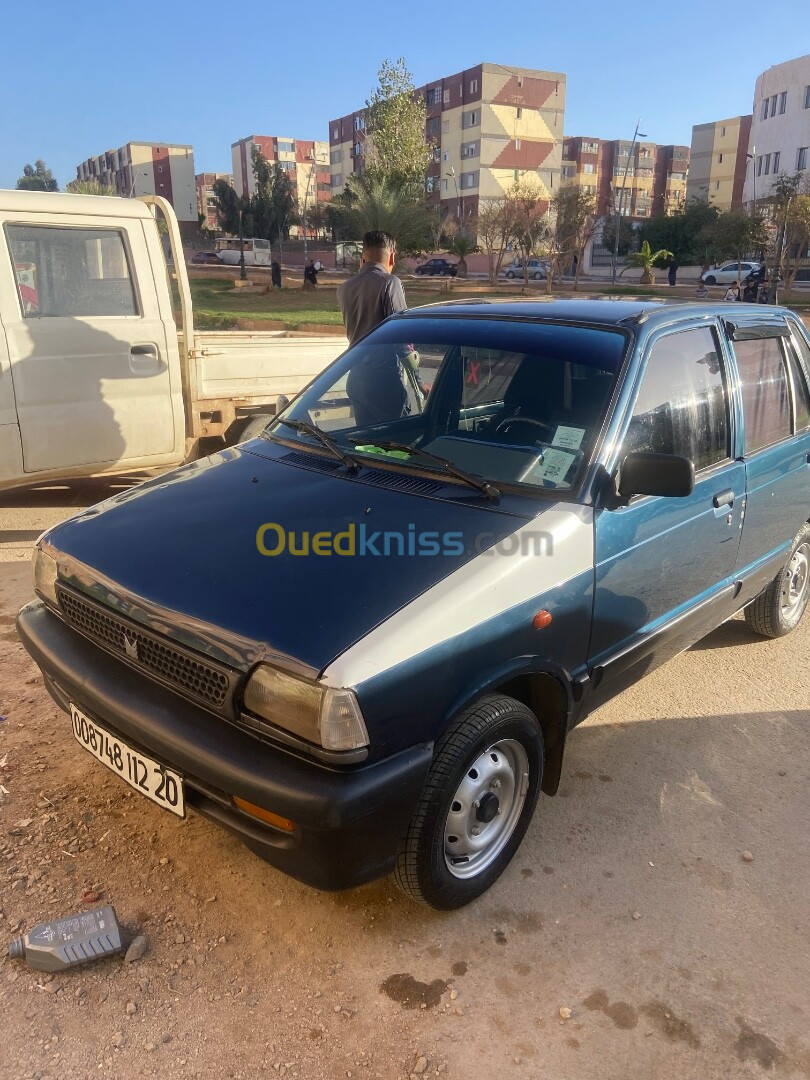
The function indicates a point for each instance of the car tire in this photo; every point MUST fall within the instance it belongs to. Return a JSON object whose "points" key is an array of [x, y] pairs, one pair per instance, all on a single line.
{"points": [[536, 276], [487, 765], [510, 274], [779, 608], [254, 427], [710, 280]]}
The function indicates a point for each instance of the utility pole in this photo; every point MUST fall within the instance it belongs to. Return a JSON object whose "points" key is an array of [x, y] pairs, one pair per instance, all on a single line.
{"points": [[304, 210], [452, 174], [617, 212], [242, 271]]}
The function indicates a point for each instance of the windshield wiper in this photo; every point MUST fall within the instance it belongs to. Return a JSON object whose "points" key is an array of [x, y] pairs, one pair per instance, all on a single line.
{"points": [[478, 482], [323, 438]]}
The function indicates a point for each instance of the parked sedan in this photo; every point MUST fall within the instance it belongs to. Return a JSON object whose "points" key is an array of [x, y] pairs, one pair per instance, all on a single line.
{"points": [[724, 275], [537, 270], [442, 267], [205, 257]]}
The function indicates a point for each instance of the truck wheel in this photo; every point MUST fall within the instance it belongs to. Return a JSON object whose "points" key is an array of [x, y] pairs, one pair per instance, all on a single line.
{"points": [[778, 609], [476, 805], [254, 427]]}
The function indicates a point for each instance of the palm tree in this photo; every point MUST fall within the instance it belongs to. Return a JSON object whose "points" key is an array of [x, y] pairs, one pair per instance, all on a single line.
{"points": [[90, 187], [374, 202], [461, 244], [645, 259]]}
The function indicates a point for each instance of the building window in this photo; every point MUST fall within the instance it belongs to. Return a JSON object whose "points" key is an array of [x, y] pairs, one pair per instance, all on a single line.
{"points": [[717, 185], [469, 119], [801, 158], [764, 110], [782, 102], [335, 133], [432, 97], [719, 159], [357, 149], [473, 86], [336, 157], [469, 180], [437, 153], [285, 146], [445, 127], [431, 184], [469, 149], [776, 157], [773, 105], [518, 112], [444, 185], [759, 165], [359, 123], [722, 131], [766, 168], [588, 168], [337, 179], [517, 144], [807, 97], [446, 97]]}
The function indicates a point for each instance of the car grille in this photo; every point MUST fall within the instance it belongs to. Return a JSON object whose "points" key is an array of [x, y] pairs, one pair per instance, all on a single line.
{"points": [[182, 670]]}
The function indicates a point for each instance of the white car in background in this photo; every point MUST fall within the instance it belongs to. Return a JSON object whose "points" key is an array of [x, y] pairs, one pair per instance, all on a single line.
{"points": [[727, 273]]}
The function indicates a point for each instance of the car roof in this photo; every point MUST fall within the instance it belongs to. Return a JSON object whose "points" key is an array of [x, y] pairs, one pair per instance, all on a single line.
{"points": [[50, 202], [602, 312]]}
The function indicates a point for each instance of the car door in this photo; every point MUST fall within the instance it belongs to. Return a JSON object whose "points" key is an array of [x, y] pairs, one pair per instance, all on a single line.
{"points": [[87, 344], [664, 567], [774, 371]]}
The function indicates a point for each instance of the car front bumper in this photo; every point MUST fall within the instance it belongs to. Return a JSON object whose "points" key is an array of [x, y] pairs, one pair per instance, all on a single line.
{"points": [[348, 821]]}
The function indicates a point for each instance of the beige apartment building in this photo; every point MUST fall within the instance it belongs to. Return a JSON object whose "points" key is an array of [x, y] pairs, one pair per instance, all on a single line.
{"points": [[206, 199], [489, 127], [145, 168], [306, 161], [718, 162]]}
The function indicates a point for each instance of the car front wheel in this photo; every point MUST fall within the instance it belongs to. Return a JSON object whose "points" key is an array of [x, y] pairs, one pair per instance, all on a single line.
{"points": [[710, 280], [778, 609], [476, 805]]}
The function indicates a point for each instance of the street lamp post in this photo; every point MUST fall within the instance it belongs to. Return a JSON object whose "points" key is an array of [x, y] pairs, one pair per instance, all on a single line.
{"points": [[304, 212], [452, 174], [617, 213], [242, 271]]}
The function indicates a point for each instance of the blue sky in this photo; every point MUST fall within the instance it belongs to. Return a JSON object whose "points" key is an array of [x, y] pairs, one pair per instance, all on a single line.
{"points": [[77, 79]]}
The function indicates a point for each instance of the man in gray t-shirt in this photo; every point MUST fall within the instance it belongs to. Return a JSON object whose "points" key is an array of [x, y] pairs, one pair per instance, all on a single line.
{"points": [[374, 292]]}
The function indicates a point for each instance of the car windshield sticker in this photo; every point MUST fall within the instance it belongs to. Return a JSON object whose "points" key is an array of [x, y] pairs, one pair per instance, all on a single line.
{"points": [[570, 438], [554, 466]]}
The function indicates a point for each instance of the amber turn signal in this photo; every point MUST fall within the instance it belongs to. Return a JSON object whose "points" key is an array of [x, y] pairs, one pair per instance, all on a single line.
{"points": [[541, 619], [267, 816]]}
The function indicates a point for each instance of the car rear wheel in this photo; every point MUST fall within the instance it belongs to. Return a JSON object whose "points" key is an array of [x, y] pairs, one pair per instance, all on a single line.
{"points": [[710, 280], [476, 805], [510, 274], [778, 609]]}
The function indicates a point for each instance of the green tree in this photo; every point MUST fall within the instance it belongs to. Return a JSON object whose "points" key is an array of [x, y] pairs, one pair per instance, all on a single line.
{"points": [[734, 235], [37, 177], [626, 234], [377, 202], [461, 243], [682, 232], [645, 259], [395, 146], [495, 229], [575, 211], [89, 187], [228, 207], [530, 225]]}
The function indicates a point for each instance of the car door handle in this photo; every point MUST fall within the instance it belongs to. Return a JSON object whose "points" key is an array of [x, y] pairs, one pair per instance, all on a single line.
{"points": [[144, 350], [723, 498]]}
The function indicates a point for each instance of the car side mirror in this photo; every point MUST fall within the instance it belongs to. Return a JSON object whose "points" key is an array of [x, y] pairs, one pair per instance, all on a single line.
{"points": [[667, 475], [282, 401]]}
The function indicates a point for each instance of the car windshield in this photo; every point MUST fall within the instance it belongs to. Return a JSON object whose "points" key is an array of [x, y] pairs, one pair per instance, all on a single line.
{"points": [[514, 402]]}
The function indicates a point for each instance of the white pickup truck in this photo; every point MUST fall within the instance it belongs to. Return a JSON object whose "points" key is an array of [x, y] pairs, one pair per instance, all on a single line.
{"points": [[95, 374]]}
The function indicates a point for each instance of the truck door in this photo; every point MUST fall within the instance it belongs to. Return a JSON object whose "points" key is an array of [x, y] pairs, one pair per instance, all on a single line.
{"points": [[665, 566], [87, 345]]}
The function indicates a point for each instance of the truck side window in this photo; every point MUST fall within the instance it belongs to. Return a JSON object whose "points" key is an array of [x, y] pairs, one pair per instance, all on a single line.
{"points": [[765, 391], [682, 406], [67, 272], [799, 362]]}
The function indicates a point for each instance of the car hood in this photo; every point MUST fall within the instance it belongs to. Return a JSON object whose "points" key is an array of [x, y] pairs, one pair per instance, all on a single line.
{"points": [[180, 553]]}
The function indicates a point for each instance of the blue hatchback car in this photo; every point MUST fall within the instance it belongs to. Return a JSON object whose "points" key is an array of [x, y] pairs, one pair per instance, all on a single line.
{"points": [[359, 641]]}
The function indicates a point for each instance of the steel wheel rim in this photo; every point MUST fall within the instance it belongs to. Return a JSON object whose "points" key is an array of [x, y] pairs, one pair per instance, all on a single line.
{"points": [[495, 784], [796, 582]]}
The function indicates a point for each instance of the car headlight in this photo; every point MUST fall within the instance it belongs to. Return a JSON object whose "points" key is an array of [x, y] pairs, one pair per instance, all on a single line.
{"points": [[45, 576], [322, 715]]}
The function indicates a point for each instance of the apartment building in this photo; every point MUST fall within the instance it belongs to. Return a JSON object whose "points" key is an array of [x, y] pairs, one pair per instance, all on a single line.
{"points": [[651, 177], [488, 127], [306, 161], [780, 129], [206, 200], [718, 162], [145, 168]]}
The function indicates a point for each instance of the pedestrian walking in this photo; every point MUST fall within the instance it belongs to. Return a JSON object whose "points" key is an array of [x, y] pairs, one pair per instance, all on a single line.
{"points": [[310, 275], [275, 274], [574, 265], [374, 292], [672, 272]]}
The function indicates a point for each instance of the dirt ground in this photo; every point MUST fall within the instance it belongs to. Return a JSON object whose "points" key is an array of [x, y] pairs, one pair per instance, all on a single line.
{"points": [[629, 903]]}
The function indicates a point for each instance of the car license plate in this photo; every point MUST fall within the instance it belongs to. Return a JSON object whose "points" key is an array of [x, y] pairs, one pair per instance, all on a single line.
{"points": [[163, 786]]}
